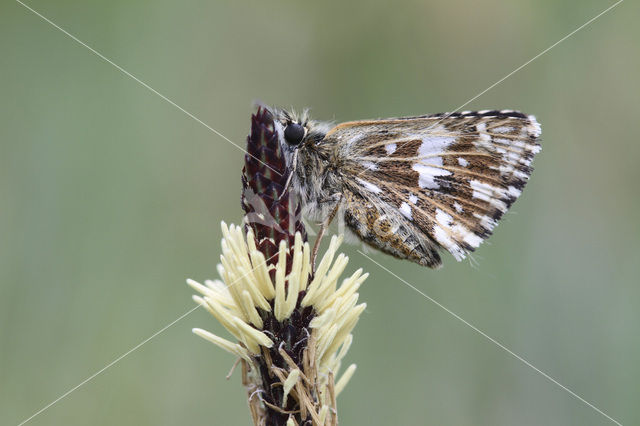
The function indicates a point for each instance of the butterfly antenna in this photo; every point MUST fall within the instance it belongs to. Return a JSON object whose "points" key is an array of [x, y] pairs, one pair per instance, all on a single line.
{"points": [[323, 229]]}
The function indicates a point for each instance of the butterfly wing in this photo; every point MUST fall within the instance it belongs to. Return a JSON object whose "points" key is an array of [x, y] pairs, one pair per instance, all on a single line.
{"points": [[418, 183]]}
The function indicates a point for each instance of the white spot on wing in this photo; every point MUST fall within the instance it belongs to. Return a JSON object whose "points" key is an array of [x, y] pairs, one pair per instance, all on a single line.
{"points": [[369, 165], [472, 239], [504, 141], [405, 209], [513, 156], [444, 233], [481, 190], [534, 127], [369, 186], [489, 193], [391, 148], [450, 235], [443, 218], [484, 140], [513, 191], [463, 162], [434, 145], [486, 222], [505, 169], [525, 161], [428, 173], [413, 199], [445, 240], [457, 206]]}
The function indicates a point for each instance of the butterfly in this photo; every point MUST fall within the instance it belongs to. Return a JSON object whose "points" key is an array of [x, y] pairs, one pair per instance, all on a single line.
{"points": [[411, 186]]}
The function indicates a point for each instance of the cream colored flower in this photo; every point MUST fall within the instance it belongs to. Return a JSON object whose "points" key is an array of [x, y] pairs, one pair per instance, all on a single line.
{"points": [[298, 331]]}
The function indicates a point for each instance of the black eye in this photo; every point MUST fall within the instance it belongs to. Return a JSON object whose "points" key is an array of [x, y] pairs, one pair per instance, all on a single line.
{"points": [[294, 133]]}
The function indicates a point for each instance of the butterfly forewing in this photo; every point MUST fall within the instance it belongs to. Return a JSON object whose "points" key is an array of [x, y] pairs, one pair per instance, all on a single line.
{"points": [[440, 180]]}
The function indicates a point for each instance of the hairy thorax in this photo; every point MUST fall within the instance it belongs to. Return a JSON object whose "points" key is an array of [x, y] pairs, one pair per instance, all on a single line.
{"points": [[318, 180]]}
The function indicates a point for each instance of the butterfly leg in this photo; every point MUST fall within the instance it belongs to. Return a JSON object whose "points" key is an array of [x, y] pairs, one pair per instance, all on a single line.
{"points": [[291, 173], [322, 231]]}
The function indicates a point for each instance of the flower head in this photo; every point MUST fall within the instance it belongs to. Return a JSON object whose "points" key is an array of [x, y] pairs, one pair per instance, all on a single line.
{"points": [[293, 330]]}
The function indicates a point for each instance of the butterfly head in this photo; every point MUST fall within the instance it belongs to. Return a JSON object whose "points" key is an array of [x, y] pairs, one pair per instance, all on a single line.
{"points": [[302, 142], [296, 131]]}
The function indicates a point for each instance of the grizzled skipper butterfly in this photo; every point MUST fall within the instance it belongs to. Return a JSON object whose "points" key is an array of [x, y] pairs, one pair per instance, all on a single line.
{"points": [[412, 185]]}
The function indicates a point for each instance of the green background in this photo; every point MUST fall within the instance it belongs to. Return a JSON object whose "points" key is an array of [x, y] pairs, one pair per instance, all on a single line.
{"points": [[111, 197]]}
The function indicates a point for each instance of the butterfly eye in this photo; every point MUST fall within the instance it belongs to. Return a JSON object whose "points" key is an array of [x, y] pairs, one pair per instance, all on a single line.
{"points": [[294, 133]]}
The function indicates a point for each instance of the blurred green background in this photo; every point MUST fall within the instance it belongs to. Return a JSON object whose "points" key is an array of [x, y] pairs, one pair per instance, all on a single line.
{"points": [[111, 197]]}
